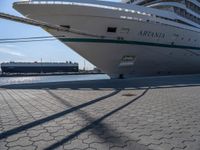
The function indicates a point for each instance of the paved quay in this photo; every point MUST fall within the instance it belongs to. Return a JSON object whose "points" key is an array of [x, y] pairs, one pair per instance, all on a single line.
{"points": [[154, 113]]}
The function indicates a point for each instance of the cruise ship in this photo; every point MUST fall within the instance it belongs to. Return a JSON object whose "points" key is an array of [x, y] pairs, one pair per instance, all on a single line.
{"points": [[127, 38]]}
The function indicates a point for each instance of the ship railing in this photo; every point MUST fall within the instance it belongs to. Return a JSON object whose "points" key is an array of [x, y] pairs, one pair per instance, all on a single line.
{"points": [[43, 2], [57, 2], [39, 2], [83, 4]]}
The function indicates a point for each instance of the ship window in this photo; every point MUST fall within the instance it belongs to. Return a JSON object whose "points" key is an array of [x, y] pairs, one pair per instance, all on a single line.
{"points": [[111, 29]]}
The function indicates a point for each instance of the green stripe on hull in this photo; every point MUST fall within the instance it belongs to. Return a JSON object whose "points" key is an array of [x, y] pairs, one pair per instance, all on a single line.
{"points": [[86, 40]]}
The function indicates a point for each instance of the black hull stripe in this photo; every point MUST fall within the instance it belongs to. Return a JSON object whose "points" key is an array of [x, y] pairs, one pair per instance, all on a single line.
{"points": [[86, 40]]}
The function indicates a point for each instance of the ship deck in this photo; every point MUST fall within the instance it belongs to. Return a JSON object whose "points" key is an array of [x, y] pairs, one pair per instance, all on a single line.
{"points": [[158, 113]]}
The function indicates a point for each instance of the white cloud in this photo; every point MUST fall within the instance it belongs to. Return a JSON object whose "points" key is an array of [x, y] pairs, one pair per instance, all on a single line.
{"points": [[10, 46], [8, 49]]}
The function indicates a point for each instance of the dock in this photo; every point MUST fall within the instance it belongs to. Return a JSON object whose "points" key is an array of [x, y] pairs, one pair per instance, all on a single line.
{"points": [[146, 113]]}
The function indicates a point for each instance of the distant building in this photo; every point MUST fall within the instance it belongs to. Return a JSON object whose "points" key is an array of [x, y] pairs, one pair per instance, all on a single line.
{"points": [[39, 67]]}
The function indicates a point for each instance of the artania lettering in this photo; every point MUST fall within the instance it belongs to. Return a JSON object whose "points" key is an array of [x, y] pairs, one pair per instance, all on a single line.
{"points": [[152, 34]]}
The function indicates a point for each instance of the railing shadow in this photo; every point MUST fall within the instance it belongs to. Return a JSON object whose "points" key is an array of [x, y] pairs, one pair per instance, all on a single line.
{"points": [[88, 118], [52, 117], [93, 124], [61, 100]]}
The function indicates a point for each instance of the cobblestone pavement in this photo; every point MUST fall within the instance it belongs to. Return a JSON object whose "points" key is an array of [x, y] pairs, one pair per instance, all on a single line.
{"points": [[164, 117]]}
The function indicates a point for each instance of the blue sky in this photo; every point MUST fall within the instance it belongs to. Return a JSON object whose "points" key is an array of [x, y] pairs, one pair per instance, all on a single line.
{"points": [[33, 51]]}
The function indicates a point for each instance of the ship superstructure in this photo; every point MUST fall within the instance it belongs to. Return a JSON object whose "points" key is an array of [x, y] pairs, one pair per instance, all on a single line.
{"points": [[189, 10], [135, 37]]}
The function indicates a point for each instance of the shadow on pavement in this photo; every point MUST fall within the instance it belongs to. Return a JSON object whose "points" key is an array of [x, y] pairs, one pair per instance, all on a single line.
{"points": [[52, 117], [93, 124], [102, 127]]}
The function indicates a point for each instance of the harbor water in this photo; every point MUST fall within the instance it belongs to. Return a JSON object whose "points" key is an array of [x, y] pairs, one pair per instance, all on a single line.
{"points": [[44, 79]]}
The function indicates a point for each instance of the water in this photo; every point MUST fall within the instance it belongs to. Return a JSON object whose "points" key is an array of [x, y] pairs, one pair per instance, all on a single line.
{"points": [[45, 79]]}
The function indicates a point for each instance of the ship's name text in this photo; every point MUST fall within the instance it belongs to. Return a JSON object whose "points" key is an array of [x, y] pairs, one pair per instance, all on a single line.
{"points": [[152, 34]]}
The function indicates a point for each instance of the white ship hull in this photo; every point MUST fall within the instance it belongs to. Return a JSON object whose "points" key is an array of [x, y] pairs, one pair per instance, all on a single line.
{"points": [[156, 49]]}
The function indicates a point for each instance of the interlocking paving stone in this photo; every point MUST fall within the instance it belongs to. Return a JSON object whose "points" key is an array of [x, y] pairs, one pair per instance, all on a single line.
{"points": [[16, 137], [34, 133], [23, 141], [136, 114], [43, 144], [163, 146], [23, 148], [42, 136], [76, 144], [3, 145]]}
